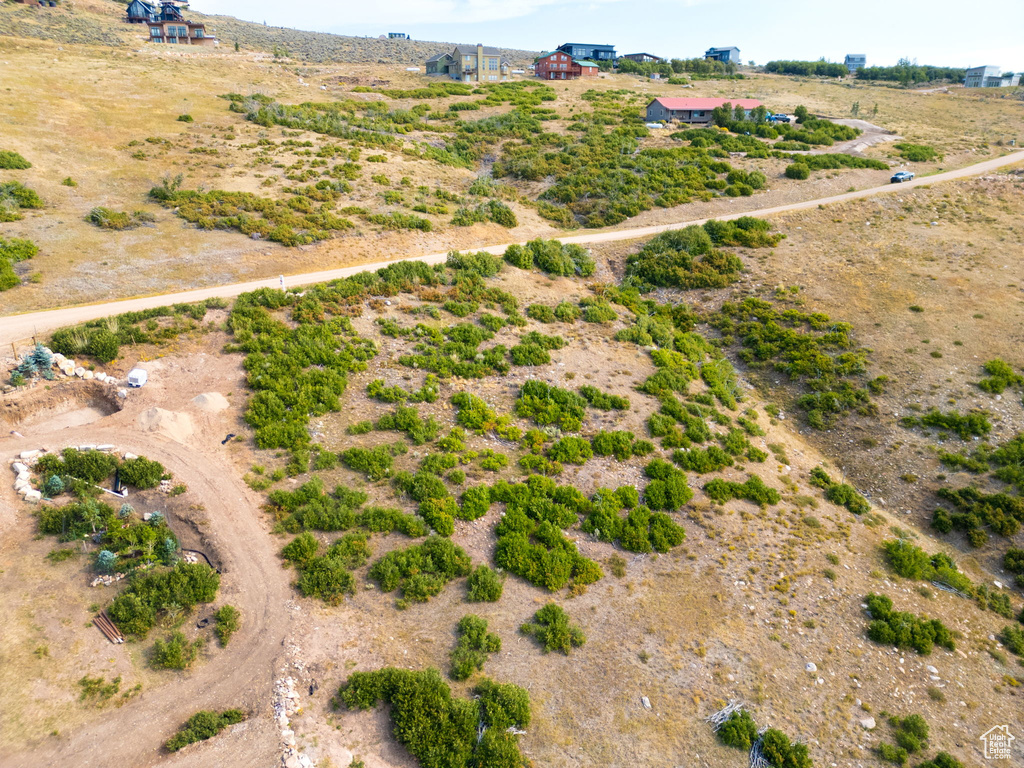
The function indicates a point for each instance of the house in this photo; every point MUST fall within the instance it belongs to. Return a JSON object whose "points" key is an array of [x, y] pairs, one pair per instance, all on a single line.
{"points": [[694, 111], [855, 61], [558, 65], [724, 55], [167, 25], [588, 51], [989, 77], [397, 36], [642, 58], [438, 64], [470, 64]]}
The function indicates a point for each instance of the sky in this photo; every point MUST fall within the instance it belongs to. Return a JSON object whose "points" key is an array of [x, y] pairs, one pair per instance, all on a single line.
{"points": [[939, 32]]}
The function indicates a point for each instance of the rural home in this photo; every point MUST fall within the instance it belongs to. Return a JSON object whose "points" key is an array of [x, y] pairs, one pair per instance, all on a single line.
{"points": [[724, 55], [694, 111], [588, 51], [557, 65], [855, 61], [438, 64], [642, 58], [989, 77], [167, 25], [479, 64]]}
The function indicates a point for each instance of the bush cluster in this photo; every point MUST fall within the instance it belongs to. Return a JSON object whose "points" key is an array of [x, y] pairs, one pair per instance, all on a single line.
{"points": [[912, 562], [905, 630], [176, 652], [13, 250], [484, 585], [963, 426], [308, 507], [753, 490], [554, 631], [640, 530], [15, 196], [135, 610], [1000, 375], [422, 570], [980, 512], [552, 257], [203, 725], [667, 488], [839, 493], [441, 731], [12, 161], [547, 404], [474, 645]]}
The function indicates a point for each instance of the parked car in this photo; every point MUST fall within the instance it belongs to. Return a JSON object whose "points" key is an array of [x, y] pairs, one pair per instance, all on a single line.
{"points": [[778, 118], [901, 176]]}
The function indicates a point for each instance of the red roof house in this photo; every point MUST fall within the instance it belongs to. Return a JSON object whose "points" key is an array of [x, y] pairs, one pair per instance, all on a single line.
{"points": [[692, 110]]}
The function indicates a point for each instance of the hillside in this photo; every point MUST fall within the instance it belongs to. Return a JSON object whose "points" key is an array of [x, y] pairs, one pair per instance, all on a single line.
{"points": [[100, 22]]}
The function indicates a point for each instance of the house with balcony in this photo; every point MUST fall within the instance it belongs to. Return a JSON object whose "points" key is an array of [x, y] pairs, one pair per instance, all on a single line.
{"points": [[558, 65], [693, 111], [729, 55], [642, 58], [167, 24]]}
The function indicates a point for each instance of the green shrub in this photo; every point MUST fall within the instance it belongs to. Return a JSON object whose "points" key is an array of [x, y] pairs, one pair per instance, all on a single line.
{"points": [[141, 472], [781, 753], [388, 519], [106, 218], [552, 257], [301, 550], [327, 579], [375, 463], [840, 493], [438, 730], [485, 585], [571, 450], [905, 630], [421, 571], [941, 760], [13, 197], [228, 620], [965, 427], [148, 594], [753, 490], [408, 420], [604, 401], [548, 404], [553, 630], [174, 653], [916, 153], [798, 171], [1000, 375], [475, 643], [203, 725], [12, 161], [541, 313], [667, 488], [739, 730], [912, 562], [568, 312]]}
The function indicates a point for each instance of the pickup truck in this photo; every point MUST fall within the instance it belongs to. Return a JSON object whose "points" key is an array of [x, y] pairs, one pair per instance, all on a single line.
{"points": [[901, 176]]}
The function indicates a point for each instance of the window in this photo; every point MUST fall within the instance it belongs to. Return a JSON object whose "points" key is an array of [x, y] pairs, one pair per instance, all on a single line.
{"points": [[492, 64], [154, 31], [492, 77], [199, 33]]}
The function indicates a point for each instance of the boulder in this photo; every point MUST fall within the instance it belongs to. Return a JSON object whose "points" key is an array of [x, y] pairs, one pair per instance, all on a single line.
{"points": [[33, 495], [29, 455], [646, 702], [811, 667], [107, 447], [868, 723], [18, 467], [88, 375], [79, 371]]}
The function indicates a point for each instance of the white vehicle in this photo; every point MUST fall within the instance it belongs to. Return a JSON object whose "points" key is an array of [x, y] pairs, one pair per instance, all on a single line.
{"points": [[137, 377]]}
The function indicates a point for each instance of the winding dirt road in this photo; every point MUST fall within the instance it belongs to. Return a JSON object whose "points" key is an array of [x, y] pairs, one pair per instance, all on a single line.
{"points": [[241, 674], [20, 327]]}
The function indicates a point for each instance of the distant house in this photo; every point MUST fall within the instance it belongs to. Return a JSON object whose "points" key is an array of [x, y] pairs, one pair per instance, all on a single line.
{"points": [[438, 64], [558, 65], [724, 55], [588, 51], [855, 61], [470, 64], [167, 25], [642, 58], [397, 36], [990, 77], [694, 111]]}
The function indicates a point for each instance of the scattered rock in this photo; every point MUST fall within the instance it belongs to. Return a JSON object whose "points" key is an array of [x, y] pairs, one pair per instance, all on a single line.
{"points": [[646, 702], [868, 723], [811, 667]]}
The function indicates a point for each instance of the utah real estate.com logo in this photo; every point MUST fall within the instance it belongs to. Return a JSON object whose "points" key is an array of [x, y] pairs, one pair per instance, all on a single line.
{"points": [[997, 742]]}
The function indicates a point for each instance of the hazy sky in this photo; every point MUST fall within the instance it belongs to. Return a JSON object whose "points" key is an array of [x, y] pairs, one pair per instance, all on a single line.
{"points": [[941, 32]]}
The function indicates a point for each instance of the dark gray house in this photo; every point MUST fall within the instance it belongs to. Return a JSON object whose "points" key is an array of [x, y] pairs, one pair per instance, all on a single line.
{"points": [[438, 65], [724, 55], [591, 51]]}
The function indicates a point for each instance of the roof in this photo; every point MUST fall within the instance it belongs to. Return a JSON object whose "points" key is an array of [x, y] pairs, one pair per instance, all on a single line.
{"points": [[642, 53], [704, 103], [856, 55], [585, 63], [438, 57], [470, 50], [727, 48], [588, 45]]}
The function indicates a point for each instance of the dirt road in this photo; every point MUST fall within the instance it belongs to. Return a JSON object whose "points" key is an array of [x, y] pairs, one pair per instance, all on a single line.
{"points": [[22, 327], [241, 674]]}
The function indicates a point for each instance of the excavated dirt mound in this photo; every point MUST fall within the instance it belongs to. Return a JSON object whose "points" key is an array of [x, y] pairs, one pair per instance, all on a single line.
{"points": [[177, 426], [213, 402]]}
